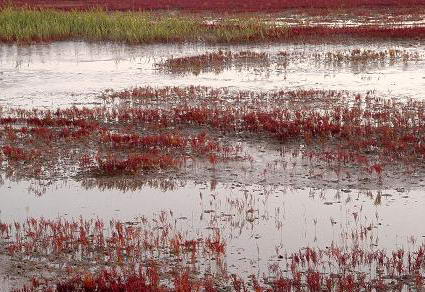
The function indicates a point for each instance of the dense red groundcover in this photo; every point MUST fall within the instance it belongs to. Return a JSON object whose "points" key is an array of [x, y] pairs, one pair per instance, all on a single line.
{"points": [[235, 5]]}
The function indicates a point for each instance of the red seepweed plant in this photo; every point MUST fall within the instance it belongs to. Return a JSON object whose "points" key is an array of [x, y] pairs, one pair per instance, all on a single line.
{"points": [[365, 131], [134, 246], [217, 5]]}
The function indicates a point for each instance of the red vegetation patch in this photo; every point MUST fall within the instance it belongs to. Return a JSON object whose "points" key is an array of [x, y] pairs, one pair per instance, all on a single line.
{"points": [[365, 131], [372, 32], [18, 154], [214, 62], [134, 163], [239, 5], [89, 140], [134, 247]]}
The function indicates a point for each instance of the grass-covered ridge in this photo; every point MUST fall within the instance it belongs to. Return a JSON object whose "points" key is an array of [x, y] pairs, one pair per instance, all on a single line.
{"points": [[32, 25]]}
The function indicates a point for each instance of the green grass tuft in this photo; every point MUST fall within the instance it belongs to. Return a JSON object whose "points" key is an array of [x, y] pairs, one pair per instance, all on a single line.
{"points": [[28, 25]]}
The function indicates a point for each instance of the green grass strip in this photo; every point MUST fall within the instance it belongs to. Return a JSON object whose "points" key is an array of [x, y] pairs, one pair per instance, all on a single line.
{"points": [[27, 25], [31, 25]]}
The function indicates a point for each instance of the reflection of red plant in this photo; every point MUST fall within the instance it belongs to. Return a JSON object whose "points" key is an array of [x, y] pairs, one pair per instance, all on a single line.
{"points": [[112, 165], [137, 244]]}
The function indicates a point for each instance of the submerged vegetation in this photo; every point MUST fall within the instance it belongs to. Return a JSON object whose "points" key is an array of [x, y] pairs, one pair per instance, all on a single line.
{"points": [[29, 25], [154, 255]]}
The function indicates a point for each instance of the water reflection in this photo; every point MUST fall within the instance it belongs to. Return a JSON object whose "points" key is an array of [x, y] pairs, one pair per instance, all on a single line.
{"points": [[253, 219], [64, 73], [131, 184]]}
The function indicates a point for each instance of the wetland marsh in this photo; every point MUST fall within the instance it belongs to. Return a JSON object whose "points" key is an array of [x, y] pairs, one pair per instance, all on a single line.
{"points": [[234, 157]]}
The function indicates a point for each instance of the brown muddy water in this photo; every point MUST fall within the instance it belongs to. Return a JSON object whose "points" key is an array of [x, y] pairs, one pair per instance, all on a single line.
{"points": [[260, 219]]}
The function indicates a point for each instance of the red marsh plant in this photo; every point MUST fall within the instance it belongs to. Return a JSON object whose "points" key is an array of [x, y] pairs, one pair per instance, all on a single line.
{"points": [[215, 62], [114, 241], [18, 154], [134, 248], [364, 56], [169, 96], [42, 137], [247, 5], [135, 245], [364, 130], [219, 61], [361, 60], [133, 164], [167, 93]]}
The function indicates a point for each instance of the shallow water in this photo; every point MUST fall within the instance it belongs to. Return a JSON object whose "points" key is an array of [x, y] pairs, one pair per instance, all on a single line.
{"points": [[348, 21], [257, 222], [74, 73]]}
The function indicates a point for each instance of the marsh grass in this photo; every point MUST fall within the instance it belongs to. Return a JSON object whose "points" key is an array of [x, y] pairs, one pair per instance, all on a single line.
{"points": [[25, 25], [28, 25], [134, 27]]}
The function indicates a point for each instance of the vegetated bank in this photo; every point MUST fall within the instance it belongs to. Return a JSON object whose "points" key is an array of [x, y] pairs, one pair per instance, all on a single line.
{"points": [[32, 25]]}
